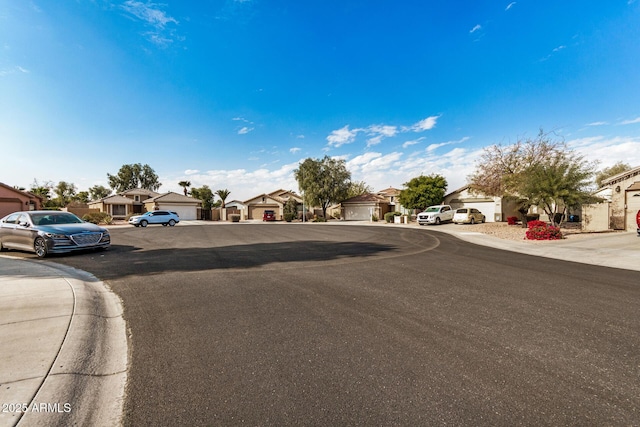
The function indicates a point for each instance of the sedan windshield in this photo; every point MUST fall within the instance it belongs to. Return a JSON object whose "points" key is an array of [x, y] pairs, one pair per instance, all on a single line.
{"points": [[55, 218]]}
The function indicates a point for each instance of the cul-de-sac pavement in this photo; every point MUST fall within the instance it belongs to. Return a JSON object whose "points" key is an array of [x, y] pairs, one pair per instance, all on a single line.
{"points": [[320, 325]]}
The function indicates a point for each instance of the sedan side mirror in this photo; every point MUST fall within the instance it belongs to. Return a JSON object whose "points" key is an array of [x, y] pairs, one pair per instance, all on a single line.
{"points": [[23, 224]]}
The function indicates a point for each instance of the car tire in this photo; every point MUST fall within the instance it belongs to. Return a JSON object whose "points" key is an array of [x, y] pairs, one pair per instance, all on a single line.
{"points": [[2, 248], [172, 223], [40, 247], [473, 221], [143, 223], [437, 220]]}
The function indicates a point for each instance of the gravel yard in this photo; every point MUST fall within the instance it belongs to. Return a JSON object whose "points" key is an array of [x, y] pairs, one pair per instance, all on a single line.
{"points": [[571, 231]]}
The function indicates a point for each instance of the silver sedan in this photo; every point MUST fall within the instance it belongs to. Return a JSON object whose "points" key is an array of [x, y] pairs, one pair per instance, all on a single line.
{"points": [[45, 232]]}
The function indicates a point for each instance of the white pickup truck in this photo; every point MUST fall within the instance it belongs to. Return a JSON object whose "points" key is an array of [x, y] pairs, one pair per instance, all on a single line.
{"points": [[436, 215]]}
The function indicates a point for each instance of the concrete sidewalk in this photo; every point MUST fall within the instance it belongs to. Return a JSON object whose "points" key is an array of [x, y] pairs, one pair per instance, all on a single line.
{"points": [[63, 353]]}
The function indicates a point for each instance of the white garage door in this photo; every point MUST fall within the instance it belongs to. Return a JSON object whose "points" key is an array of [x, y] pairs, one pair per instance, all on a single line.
{"points": [[488, 209], [633, 206], [184, 212], [357, 213]]}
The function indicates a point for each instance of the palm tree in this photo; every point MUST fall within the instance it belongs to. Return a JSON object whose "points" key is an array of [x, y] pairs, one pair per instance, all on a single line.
{"points": [[185, 184], [223, 194]]}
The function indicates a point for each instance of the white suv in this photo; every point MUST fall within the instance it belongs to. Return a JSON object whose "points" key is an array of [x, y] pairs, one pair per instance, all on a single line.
{"points": [[435, 215], [155, 217]]}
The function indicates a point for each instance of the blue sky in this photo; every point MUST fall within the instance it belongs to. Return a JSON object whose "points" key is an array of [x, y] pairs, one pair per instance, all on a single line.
{"points": [[235, 93]]}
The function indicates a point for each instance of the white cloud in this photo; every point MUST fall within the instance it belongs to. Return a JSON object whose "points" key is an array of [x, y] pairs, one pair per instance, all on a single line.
{"points": [[379, 132], [342, 136], [433, 147], [13, 70], [244, 130], [476, 28], [608, 151], [597, 124], [629, 122], [413, 142], [191, 171], [152, 15], [426, 124], [294, 150], [510, 5], [242, 183], [148, 12]]}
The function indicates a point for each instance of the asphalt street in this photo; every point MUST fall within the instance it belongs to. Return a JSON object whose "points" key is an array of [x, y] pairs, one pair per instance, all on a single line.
{"points": [[291, 324]]}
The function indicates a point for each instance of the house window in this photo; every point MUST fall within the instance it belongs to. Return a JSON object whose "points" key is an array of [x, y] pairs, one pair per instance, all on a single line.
{"points": [[119, 210], [137, 198]]}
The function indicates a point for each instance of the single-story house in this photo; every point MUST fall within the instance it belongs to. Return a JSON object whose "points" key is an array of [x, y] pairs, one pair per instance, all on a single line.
{"points": [[495, 209], [14, 200], [185, 206], [117, 206], [363, 207], [254, 207], [139, 196], [622, 193]]}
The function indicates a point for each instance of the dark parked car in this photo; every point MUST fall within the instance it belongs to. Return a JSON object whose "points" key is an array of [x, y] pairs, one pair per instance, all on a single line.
{"points": [[155, 217], [269, 216], [45, 232]]}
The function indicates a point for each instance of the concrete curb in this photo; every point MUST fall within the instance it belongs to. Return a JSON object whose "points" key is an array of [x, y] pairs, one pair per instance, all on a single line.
{"points": [[80, 373]]}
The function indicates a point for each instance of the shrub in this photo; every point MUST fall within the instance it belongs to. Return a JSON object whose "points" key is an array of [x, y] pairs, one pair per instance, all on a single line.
{"points": [[234, 218], [388, 217], [512, 220], [289, 216], [374, 218], [536, 223], [320, 219], [98, 218], [539, 230]]}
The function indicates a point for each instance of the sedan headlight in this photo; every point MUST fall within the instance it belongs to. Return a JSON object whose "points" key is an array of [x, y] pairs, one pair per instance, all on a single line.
{"points": [[56, 236]]}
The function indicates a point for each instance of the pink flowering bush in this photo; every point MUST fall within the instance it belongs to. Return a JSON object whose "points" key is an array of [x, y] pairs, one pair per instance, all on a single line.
{"points": [[539, 230], [512, 220]]}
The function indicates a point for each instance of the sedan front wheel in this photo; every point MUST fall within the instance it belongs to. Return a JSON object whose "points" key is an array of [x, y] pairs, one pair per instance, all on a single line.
{"points": [[40, 247], [143, 223]]}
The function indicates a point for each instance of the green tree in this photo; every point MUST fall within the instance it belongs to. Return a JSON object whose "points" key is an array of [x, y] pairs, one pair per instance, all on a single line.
{"points": [[562, 182], [42, 190], [358, 188], [537, 171], [290, 210], [423, 191], [81, 197], [205, 194], [98, 192], [184, 185], [223, 194], [323, 181], [605, 173], [65, 191], [134, 176]]}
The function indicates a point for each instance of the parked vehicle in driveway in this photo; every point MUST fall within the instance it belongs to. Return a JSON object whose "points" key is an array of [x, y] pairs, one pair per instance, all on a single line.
{"points": [[165, 218], [435, 215], [638, 222], [468, 216], [269, 216], [48, 232]]}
